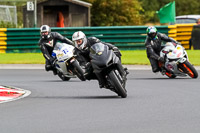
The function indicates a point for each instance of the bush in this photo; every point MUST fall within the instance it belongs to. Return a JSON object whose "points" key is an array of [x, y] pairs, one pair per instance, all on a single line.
{"points": [[7, 25]]}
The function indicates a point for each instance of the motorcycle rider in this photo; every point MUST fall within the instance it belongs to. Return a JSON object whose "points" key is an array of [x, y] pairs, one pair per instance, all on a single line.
{"points": [[47, 43], [153, 46], [83, 44]]}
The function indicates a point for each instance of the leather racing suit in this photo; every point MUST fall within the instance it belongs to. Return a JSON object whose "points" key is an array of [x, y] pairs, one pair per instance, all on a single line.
{"points": [[47, 47], [153, 48], [84, 59]]}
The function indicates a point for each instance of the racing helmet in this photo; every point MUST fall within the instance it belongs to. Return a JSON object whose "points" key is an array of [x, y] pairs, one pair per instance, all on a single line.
{"points": [[45, 31], [79, 40], [152, 32]]}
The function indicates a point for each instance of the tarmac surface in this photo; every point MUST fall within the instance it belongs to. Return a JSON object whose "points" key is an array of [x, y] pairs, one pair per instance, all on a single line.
{"points": [[155, 104]]}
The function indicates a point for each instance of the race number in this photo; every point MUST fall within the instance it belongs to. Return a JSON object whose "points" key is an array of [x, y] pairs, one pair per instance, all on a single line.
{"points": [[30, 6]]}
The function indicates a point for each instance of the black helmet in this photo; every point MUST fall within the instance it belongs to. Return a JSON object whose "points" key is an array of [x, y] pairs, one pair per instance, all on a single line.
{"points": [[45, 31]]}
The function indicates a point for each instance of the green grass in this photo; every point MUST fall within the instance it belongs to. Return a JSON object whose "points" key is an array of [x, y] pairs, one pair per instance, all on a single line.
{"points": [[139, 57], [194, 56], [135, 57], [22, 58]]}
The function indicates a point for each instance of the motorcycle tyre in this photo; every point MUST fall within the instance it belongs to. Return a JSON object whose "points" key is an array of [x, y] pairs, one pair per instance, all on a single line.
{"points": [[77, 70], [61, 76], [118, 86], [191, 68]]}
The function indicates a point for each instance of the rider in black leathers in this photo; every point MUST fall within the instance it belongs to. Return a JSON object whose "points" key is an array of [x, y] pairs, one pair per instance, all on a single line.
{"points": [[153, 46], [83, 45], [47, 43]]}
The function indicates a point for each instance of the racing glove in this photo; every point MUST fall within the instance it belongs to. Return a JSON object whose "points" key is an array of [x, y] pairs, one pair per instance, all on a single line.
{"points": [[161, 59], [52, 61], [117, 51]]}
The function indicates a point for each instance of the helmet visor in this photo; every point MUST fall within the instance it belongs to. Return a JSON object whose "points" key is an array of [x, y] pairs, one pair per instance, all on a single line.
{"points": [[79, 42], [45, 33], [152, 35]]}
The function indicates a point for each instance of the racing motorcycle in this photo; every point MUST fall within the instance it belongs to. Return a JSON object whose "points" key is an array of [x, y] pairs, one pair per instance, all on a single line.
{"points": [[66, 64], [176, 62], [105, 61]]}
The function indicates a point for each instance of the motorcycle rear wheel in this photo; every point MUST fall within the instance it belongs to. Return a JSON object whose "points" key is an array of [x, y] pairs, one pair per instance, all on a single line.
{"points": [[189, 69], [120, 90]]}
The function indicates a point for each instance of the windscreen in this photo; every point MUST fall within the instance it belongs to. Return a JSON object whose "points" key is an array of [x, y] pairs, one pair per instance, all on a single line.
{"points": [[96, 48]]}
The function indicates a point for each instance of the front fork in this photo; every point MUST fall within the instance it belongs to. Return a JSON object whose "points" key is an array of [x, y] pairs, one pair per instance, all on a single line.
{"points": [[69, 67]]}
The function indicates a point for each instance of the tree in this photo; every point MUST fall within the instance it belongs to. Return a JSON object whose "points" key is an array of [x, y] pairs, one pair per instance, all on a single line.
{"points": [[19, 6], [115, 12], [186, 7]]}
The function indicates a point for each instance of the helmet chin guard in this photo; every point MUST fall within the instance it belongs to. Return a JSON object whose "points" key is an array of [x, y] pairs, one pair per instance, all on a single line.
{"points": [[152, 32], [45, 31]]}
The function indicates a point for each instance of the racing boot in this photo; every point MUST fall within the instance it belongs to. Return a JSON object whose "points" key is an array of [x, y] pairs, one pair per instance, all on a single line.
{"points": [[48, 67], [55, 71]]}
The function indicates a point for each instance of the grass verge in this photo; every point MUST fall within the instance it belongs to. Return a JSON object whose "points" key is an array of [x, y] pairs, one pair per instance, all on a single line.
{"points": [[22, 58], [139, 57], [135, 57]]}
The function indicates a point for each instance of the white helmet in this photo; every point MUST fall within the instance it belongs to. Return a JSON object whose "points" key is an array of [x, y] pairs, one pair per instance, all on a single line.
{"points": [[79, 40], [43, 30]]}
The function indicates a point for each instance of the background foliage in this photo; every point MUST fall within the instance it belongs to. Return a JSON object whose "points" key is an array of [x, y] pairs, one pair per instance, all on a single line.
{"points": [[121, 12], [7, 25], [115, 12], [19, 6], [136, 12]]}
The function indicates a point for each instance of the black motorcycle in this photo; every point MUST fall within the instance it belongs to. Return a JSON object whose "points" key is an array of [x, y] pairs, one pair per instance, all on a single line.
{"points": [[105, 61]]}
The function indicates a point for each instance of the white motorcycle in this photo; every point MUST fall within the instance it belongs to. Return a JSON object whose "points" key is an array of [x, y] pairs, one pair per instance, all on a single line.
{"points": [[66, 64], [176, 62]]}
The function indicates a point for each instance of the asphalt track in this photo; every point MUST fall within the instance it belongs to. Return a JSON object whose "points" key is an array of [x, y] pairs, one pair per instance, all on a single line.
{"points": [[155, 104]]}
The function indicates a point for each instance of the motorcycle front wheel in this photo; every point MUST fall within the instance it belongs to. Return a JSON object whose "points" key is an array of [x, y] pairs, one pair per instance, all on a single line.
{"points": [[189, 69], [63, 77], [118, 86]]}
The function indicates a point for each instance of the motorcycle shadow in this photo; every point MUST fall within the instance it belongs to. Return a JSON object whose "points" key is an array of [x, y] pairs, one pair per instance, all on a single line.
{"points": [[79, 97], [181, 78], [96, 97], [62, 81]]}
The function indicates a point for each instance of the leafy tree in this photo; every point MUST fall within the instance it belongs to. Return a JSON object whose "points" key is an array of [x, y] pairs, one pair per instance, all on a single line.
{"points": [[186, 7], [115, 12], [122, 12], [150, 8], [19, 5], [7, 25]]}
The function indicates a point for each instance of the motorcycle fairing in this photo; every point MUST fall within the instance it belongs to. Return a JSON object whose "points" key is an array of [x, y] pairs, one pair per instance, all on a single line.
{"points": [[174, 55], [104, 60]]}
